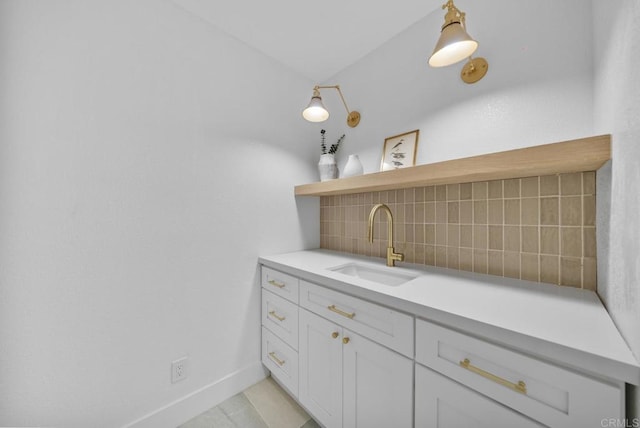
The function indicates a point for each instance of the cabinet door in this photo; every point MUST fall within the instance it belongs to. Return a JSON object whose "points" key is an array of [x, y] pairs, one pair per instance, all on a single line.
{"points": [[444, 403], [320, 380], [378, 385]]}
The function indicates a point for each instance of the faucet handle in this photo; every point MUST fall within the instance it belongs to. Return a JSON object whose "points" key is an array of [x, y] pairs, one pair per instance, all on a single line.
{"points": [[392, 257]]}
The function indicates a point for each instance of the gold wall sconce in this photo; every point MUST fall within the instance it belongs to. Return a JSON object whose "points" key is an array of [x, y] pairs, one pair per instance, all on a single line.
{"points": [[316, 111], [455, 44]]}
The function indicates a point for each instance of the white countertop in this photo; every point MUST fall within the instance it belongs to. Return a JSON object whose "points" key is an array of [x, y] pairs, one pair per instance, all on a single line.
{"points": [[563, 325]]}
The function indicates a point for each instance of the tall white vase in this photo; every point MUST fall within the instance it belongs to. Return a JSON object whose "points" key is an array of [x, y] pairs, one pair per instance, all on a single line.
{"points": [[353, 167], [327, 167]]}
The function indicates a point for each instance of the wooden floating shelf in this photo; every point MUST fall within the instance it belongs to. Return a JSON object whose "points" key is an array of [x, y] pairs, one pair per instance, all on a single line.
{"points": [[584, 154]]}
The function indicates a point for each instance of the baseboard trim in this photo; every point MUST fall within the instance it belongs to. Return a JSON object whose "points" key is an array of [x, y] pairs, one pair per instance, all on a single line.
{"points": [[191, 405]]}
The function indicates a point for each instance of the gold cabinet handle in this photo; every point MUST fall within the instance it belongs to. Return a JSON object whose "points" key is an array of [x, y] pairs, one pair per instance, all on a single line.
{"points": [[345, 340], [349, 315], [520, 387], [335, 334], [276, 283], [276, 316], [278, 361]]}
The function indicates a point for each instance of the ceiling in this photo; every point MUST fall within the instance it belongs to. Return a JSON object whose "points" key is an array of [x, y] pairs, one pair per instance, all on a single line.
{"points": [[315, 39]]}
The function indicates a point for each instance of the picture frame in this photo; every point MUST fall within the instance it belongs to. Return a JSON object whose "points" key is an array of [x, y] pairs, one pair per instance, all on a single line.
{"points": [[400, 151]]}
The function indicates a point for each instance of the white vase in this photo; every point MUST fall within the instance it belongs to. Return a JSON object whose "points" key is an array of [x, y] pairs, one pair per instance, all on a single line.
{"points": [[327, 167], [353, 167]]}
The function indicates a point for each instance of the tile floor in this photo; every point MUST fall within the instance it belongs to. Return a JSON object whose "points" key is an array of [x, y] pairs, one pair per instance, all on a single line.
{"points": [[263, 405]]}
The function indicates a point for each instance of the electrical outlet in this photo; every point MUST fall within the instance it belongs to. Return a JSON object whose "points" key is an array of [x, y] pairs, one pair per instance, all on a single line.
{"points": [[179, 369]]}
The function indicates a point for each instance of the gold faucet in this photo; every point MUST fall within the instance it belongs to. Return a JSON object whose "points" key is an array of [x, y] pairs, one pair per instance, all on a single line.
{"points": [[391, 255]]}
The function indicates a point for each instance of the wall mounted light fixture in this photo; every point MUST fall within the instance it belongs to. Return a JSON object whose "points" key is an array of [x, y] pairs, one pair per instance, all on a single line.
{"points": [[455, 44], [316, 111]]}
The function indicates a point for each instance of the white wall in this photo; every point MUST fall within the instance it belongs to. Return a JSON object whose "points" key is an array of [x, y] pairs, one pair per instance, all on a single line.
{"points": [[538, 88], [146, 160], [617, 111], [541, 87]]}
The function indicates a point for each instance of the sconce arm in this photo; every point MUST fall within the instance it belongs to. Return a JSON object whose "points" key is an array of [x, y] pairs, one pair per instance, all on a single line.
{"points": [[317, 87]]}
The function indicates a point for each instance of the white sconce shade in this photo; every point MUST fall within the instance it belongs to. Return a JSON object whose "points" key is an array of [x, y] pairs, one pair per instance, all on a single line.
{"points": [[315, 111], [454, 45]]}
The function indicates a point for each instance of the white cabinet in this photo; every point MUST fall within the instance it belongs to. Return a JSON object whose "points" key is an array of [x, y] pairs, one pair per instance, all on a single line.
{"points": [[321, 368], [280, 327], [377, 385], [381, 324], [350, 363], [444, 403], [551, 395], [347, 380]]}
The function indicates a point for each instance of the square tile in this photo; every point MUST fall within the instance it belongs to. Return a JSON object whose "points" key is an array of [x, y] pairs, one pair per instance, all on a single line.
{"points": [[466, 259], [466, 236], [571, 272], [512, 238], [549, 185], [511, 264], [530, 211], [495, 189], [466, 191], [480, 212], [453, 192], [549, 269], [529, 187], [571, 211], [549, 240], [480, 190], [495, 263], [466, 212], [512, 188], [496, 211], [496, 237], [549, 211], [480, 261], [530, 239], [453, 212], [529, 267], [571, 184], [571, 241], [512, 211], [275, 406]]}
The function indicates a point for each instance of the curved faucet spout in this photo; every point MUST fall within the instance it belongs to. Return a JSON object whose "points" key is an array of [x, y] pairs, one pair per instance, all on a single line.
{"points": [[392, 256]]}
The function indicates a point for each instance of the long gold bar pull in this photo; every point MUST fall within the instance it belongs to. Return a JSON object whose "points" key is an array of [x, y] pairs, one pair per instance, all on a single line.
{"points": [[276, 283], [349, 315], [520, 387], [276, 316], [278, 361]]}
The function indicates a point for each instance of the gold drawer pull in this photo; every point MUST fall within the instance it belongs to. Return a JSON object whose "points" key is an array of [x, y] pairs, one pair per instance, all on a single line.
{"points": [[276, 316], [520, 387], [335, 334], [276, 283], [349, 315], [345, 340], [278, 361]]}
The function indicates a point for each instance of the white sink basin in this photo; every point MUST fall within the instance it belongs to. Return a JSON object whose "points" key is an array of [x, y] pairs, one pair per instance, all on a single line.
{"points": [[381, 275]]}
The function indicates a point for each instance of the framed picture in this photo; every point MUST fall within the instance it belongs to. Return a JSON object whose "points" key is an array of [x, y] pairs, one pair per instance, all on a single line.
{"points": [[399, 151]]}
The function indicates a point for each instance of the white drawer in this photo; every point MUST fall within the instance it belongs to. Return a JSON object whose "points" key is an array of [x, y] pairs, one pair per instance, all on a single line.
{"points": [[281, 360], [444, 403], [383, 325], [281, 317], [555, 396], [280, 283]]}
